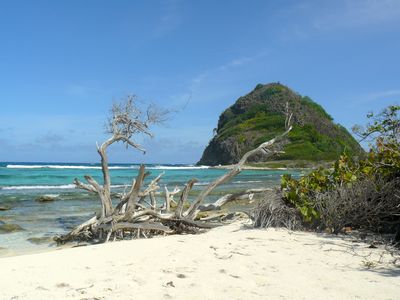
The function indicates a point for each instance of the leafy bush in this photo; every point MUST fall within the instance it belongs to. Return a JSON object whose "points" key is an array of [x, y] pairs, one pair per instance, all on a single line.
{"points": [[330, 197]]}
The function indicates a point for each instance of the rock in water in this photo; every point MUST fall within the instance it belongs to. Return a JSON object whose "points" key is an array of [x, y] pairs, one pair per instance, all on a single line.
{"points": [[46, 198], [40, 240], [259, 116], [2, 208], [9, 228]]}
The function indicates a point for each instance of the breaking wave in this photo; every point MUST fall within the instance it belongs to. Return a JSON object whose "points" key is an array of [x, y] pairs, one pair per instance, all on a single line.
{"points": [[46, 187], [158, 167]]}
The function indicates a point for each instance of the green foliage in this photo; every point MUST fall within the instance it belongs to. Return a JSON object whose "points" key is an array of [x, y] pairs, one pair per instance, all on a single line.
{"points": [[258, 86], [252, 120], [382, 162], [306, 143], [273, 90], [385, 163], [307, 101], [385, 126]]}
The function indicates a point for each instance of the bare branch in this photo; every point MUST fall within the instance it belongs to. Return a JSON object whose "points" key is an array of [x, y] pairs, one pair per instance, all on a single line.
{"points": [[84, 186], [93, 182], [184, 196], [133, 198]]}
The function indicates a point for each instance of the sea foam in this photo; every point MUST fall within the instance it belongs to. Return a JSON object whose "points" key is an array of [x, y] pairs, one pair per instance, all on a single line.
{"points": [[47, 187], [66, 167], [160, 167]]}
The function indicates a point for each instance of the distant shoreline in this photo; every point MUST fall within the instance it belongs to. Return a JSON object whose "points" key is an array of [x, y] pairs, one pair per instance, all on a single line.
{"points": [[282, 165], [227, 167]]}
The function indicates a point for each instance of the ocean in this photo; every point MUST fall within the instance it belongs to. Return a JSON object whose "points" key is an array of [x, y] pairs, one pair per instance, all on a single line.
{"points": [[22, 183]]}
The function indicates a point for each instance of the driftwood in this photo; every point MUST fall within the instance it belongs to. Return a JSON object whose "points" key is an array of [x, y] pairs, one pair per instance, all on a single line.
{"points": [[133, 216], [247, 194]]}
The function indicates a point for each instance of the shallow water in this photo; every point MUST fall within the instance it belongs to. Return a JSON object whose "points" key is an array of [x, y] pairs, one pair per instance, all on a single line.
{"points": [[22, 183]]}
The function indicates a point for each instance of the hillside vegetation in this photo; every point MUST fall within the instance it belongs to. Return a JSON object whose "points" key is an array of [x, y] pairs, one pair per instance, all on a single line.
{"points": [[259, 116]]}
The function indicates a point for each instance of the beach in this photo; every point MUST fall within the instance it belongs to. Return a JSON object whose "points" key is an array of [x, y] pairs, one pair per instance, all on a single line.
{"points": [[228, 262]]}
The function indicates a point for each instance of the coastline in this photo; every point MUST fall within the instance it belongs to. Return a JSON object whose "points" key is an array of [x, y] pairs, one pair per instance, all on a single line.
{"points": [[229, 262], [246, 167], [22, 186]]}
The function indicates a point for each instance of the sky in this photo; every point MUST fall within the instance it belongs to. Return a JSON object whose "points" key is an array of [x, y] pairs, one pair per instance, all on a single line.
{"points": [[63, 63]]}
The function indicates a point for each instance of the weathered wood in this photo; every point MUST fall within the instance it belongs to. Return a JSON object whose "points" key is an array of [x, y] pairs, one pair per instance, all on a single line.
{"points": [[133, 198], [169, 197], [130, 226], [183, 198], [84, 186], [230, 197], [76, 231]]}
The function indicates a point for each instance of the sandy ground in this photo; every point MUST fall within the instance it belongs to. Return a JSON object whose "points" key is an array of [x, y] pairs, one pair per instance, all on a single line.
{"points": [[225, 263]]}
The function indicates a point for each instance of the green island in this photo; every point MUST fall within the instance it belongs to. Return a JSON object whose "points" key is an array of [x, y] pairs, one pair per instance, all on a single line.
{"points": [[259, 116]]}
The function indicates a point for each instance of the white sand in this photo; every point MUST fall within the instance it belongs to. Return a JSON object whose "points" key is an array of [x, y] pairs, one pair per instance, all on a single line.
{"points": [[225, 263]]}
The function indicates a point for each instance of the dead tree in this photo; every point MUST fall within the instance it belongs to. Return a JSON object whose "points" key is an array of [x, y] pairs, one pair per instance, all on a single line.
{"points": [[133, 216]]}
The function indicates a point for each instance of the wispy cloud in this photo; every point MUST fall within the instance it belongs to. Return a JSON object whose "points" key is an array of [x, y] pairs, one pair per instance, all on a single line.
{"points": [[388, 97], [78, 90], [358, 13], [383, 94], [203, 82], [310, 18], [170, 20], [228, 66], [50, 138]]}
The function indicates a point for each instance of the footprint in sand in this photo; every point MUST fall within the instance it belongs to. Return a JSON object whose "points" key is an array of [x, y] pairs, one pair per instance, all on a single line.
{"points": [[223, 256], [62, 285]]}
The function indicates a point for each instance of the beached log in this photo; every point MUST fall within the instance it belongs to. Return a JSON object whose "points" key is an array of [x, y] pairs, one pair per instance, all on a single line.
{"points": [[77, 231], [232, 197], [131, 226]]}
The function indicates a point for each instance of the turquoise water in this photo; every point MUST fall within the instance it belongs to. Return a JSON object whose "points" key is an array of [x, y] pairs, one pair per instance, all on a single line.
{"points": [[22, 183]]}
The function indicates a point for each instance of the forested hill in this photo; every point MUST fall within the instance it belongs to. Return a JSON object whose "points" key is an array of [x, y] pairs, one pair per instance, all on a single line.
{"points": [[259, 116]]}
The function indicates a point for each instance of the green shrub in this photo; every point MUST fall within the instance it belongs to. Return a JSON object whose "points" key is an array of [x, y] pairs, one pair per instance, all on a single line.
{"points": [[381, 165]]}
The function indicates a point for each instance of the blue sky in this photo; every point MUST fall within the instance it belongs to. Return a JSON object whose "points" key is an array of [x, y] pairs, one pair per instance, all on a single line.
{"points": [[63, 62]]}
